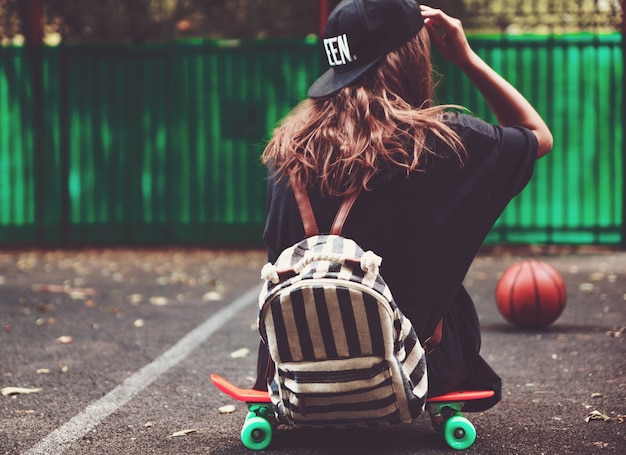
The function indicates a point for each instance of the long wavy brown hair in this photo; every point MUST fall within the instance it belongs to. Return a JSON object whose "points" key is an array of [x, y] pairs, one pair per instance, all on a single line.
{"points": [[383, 120]]}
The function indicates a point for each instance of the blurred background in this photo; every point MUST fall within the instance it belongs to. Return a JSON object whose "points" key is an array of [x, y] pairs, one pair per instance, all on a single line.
{"points": [[141, 122], [144, 21]]}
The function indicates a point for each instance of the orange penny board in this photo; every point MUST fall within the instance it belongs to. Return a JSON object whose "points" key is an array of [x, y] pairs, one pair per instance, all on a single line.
{"points": [[258, 396], [464, 395], [239, 394]]}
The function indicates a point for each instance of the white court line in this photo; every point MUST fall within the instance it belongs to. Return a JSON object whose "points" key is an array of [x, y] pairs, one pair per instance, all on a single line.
{"points": [[61, 438]]}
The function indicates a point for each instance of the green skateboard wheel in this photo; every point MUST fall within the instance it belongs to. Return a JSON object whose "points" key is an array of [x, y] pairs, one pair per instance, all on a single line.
{"points": [[256, 433], [459, 433]]}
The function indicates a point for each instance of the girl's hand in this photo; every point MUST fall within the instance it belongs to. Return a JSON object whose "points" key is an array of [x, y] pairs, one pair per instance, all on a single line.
{"points": [[509, 106], [447, 35]]}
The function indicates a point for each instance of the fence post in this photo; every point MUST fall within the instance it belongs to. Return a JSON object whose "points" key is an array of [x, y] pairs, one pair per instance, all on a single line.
{"points": [[64, 154], [31, 12]]}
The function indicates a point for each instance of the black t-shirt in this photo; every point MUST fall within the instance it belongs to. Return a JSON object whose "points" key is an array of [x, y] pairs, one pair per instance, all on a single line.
{"points": [[427, 226]]}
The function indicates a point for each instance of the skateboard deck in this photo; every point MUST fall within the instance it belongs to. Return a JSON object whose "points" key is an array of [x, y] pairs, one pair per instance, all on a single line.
{"points": [[461, 395], [239, 394], [445, 414]]}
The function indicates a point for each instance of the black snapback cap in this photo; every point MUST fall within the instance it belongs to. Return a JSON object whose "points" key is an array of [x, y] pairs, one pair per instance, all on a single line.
{"points": [[358, 34]]}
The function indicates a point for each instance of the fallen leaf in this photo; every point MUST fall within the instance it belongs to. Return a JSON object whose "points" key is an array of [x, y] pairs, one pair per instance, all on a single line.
{"points": [[586, 287], [212, 296], [6, 391], [616, 333], [228, 409], [601, 445], [58, 288], [75, 293], [118, 277], [134, 299], [596, 395], [597, 415], [78, 294], [158, 301], [65, 339], [178, 278], [46, 308], [240, 353], [113, 310], [183, 433]]}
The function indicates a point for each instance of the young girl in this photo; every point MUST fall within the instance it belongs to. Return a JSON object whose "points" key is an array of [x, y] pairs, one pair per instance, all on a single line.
{"points": [[434, 182]]}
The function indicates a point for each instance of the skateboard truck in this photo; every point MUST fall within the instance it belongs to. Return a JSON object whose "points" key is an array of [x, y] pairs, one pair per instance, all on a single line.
{"points": [[446, 418]]}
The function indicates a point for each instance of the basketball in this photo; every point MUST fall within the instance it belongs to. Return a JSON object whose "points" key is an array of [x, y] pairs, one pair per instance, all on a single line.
{"points": [[531, 294]]}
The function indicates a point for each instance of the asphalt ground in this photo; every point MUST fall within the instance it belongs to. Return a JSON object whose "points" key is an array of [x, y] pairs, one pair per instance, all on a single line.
{"points": [[111, 350]]}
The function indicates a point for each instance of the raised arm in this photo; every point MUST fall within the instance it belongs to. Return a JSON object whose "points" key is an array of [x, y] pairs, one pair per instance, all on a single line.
{"points": [[508, 104]]}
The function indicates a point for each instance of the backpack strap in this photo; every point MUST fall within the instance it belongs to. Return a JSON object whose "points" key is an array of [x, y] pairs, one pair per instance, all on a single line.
{"points": [[308, 217], [342, 214], [305, 209], [433, 341]]}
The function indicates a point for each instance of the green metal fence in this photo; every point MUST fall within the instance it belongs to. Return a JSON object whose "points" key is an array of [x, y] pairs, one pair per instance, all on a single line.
{"points": [[576, 83], [160, 143]]}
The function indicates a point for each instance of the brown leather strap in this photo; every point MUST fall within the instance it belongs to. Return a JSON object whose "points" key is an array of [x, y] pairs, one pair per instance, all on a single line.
{"points": [[433, 341], [308, 217], [305, 209], [343, 213]]}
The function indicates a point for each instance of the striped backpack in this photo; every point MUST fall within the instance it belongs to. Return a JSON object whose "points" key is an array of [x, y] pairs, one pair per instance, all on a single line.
{"points": [[342, 352]]}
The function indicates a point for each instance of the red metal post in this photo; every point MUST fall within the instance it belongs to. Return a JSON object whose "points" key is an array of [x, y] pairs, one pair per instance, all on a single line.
{"points": [[324, 16], [32, 14]]}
